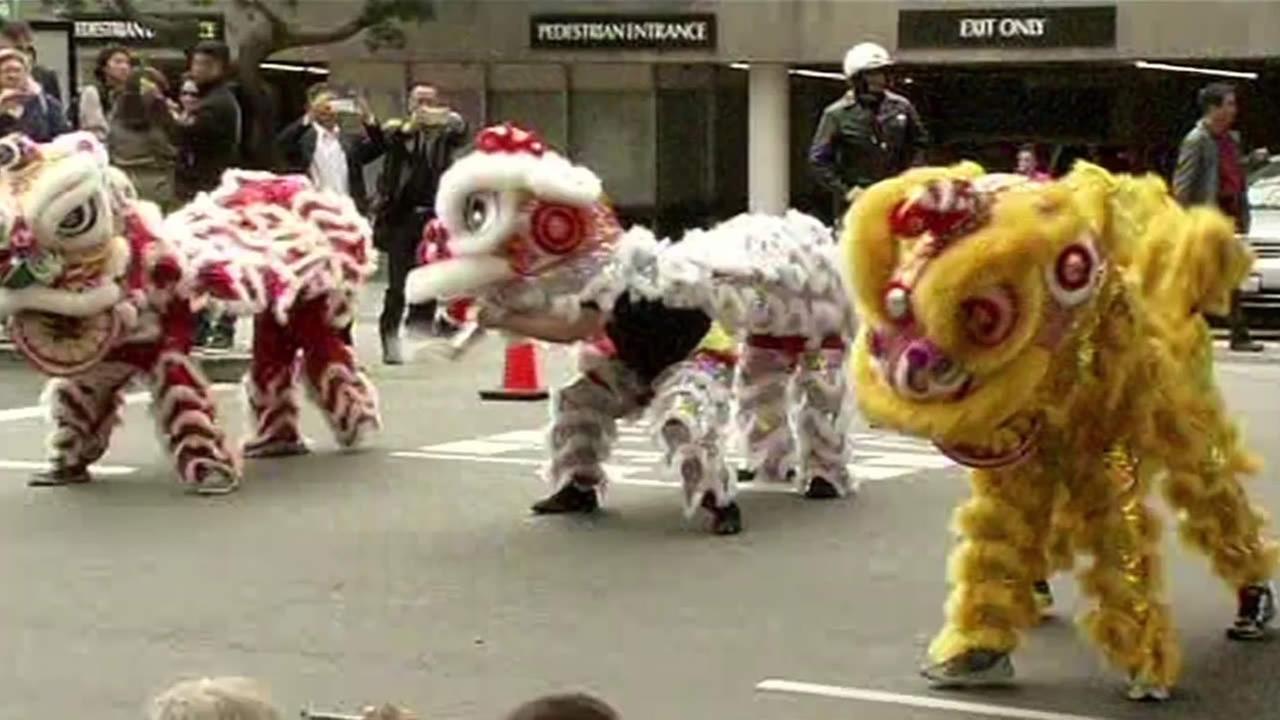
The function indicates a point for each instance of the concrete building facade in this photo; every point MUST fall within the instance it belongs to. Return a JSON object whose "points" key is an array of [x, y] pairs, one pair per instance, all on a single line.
{"points": [[703, 108]]}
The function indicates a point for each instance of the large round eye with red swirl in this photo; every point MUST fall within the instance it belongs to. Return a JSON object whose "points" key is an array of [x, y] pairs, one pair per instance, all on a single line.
{"points": [[557, 229], [1073, 277], [990, 317]]}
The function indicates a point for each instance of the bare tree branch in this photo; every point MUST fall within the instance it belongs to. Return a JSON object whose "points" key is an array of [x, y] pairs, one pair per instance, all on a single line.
{"points": [[161, 24], [278, 24], [292, 38]]}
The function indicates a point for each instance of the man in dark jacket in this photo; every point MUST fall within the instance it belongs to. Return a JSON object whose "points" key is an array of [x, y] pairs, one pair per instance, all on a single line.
{"points": [[869, 134], [315, 146], [18, 35], [209, 143], [1212, 170], [419, 150]]}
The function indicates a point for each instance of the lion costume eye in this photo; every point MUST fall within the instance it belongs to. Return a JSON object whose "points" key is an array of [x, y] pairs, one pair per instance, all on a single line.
{"points": [[479, 210], [990, 317], [80, 220], [1073, 277]]}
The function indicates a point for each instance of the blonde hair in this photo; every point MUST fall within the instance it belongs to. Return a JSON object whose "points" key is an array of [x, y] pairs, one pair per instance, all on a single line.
{"points": [[8, 54], [223, 698]]}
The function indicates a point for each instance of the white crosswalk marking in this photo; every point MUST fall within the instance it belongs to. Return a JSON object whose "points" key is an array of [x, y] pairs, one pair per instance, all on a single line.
{"points": [[877, 456]]}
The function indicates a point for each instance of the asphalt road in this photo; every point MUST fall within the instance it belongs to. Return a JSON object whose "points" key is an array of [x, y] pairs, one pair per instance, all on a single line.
{"points": [[420, 578]]}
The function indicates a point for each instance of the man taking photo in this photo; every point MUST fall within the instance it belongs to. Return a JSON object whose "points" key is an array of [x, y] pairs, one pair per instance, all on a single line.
{"points": [[419, 150]]}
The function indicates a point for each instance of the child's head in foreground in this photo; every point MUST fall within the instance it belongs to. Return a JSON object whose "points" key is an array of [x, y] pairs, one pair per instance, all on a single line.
{"points": [[574, 706], [224, 698]]}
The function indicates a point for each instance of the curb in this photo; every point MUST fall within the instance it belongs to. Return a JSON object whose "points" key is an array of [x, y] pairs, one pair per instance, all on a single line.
{"points": [[220, 367], [1223, 354]]}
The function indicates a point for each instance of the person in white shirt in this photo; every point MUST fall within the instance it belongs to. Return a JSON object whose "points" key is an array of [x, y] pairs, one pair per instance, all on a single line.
{"points": [[316, 146]]}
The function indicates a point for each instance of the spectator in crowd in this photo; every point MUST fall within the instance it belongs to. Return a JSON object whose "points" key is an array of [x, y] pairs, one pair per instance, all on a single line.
{"points": [[208, 144], [870, 134], [419, 150], [18, 35], [110, 73], [188, 98], [315, 145], [1211, 170], [1029, 164], [574, 706], [140, 135], [224, 698], [209, 138], [24, 107]]}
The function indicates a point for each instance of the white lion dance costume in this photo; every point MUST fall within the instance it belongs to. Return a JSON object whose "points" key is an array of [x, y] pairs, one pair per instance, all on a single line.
{"points": [[101, 290], [528, 233]]}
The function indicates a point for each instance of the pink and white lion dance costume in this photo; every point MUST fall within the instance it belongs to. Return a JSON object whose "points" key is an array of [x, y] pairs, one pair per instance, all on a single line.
{"points": [[101, 290]]}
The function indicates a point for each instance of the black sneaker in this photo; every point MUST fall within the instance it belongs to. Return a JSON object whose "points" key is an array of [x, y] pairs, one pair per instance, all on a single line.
{"points": [[220, 341], [1249, 346], [1043, 594], [975, 668], [821, 489], [1257, 610], [571, 498], [59, 476], [746, 475], [725, 520]]}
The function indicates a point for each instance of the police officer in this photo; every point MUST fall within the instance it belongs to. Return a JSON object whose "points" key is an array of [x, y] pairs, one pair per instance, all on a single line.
{"points": [[869, 134]]}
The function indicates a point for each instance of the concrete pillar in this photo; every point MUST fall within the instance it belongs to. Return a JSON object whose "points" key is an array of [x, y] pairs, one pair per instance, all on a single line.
{"points": [[768, 139]]}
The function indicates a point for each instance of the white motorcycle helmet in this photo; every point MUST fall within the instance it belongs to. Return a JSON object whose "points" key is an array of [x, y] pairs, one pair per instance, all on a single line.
{"points": [[865, 56]]}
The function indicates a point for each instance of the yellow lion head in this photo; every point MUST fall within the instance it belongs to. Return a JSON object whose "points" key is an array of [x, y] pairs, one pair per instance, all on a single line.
{"points": [[978, 293]]}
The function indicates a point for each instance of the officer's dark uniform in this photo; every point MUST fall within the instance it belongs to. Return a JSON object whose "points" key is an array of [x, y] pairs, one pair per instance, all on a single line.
{"points": [[856, 146]]}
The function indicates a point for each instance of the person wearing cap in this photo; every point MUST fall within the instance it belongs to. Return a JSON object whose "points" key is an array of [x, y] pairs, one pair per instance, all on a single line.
{"points": [[24, 106], [869, 134]]}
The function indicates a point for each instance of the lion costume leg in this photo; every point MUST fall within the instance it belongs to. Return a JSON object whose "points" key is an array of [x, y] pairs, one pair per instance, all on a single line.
{"points": [[822, 422], [183, 407], [1003, 529], [761, 384], [688, 414], [1217, 518], [271, 392], [344, 395], [584, 416], [1131, 623], [84, 409]]}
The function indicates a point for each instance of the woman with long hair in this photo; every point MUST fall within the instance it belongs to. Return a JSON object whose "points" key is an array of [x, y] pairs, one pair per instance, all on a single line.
{"points": [[110, 72], [140, 135]]}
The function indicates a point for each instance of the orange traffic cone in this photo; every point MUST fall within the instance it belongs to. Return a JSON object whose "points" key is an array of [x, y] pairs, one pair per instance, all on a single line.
{"points": [[520, 377]]}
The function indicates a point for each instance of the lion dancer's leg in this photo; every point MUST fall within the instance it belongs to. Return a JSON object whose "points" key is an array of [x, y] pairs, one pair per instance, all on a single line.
{"points": [[822, 422], [183, 407], [1217, 517], [84, 409], [1003, 529], [345, 396], [761, 383], [271, 392], [689, 412], [1131, 623], [584, 415]]}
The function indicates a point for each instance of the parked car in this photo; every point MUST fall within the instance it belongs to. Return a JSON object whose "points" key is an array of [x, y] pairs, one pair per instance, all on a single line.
{"points": [[1260, 294]]}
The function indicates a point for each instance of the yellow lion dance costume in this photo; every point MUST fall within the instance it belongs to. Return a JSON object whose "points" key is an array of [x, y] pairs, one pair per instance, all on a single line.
{"points": [[1049, 336]]}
